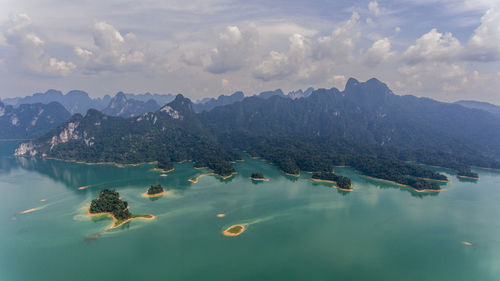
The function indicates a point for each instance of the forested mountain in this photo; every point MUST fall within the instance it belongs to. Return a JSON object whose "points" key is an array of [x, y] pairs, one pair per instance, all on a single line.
{"points": [[172, 134], [491, 108], [365, 126], [123, 107], [30, 120]]}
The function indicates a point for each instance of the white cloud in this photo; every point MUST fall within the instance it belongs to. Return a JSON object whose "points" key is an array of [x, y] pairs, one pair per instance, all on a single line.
{"points": [[279, 65], [235, 49], [341, 43], [433, 46], [374, 8], [113, 51], [379, 52], [484, 45], [30, 49]]}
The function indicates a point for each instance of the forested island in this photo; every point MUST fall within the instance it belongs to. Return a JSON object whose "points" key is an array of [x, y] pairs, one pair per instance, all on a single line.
{"points": [[234, 230], [340, 182], [155, 190], [258, 177], [109, 203]]}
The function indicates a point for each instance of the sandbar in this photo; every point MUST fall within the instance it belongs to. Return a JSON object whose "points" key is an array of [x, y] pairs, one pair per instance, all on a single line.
{"points": [[221, 215], [43, 200], [83, 187], [116, 222], [28, 211], [163, 175], [234, 230], [466, 243], [163, 171], [145, 194]]}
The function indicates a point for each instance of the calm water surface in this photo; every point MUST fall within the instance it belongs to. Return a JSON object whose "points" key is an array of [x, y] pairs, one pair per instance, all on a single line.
{"points": [[296, 229]]}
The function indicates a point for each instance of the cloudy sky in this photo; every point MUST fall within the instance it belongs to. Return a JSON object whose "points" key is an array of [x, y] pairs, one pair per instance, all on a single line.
{"points": [[447, 50]]}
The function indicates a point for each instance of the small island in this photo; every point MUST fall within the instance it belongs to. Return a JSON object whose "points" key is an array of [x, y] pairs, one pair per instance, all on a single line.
{"points": [[258, 177], [467, 174], [342, 183], [109, 203], [155, 190], [234, 230]]}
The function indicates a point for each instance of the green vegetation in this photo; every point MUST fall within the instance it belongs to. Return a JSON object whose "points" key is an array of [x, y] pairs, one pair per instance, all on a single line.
{"points": [[235, 229], [155, 189], [109, 202], [340, 181], [257, 176]]}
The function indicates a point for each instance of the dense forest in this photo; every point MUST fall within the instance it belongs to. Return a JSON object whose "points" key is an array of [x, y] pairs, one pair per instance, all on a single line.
{"points": [[257, 175], [109, 202], [155, 189], [366, 127]]}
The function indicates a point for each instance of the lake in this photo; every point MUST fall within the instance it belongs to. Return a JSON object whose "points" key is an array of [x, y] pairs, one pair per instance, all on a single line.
{"points": [[296, 229]]}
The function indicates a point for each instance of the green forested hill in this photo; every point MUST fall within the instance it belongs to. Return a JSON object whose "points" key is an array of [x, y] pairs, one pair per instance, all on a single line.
{"points": [[365, 126]]}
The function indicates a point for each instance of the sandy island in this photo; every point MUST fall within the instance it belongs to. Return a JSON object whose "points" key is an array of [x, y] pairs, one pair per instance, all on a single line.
{"points": [[414, 189], [83, 187], [335, 184], [163, 175], [145, 194], [466, 243], [259, 179], [234, 230], [116, 222], [195, 179], [28, 211], [221, 215], [43, 200]]}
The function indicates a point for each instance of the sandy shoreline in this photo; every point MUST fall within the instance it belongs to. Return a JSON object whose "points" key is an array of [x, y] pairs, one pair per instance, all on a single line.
{"points": [[227, 233], [335, 184], [163, 171], [114, 225], [226, 177], [469, 178], [293, 175], [259, 179], [145, 194], [195, 179]]}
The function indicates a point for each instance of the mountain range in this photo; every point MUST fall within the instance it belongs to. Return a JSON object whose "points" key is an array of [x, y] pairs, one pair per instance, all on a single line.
{"points": [[366, 126], [30, 120], [122, 106]]}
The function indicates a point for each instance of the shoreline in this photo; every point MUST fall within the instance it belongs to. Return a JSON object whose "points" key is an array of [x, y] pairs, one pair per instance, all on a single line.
{"points": [[230, 234], [400, 184], [119, 165], [259, 179], [163, 170], [469, 178], [335, 184], [195, 179], [145, 194], [293, 175], [229, 176], [115, 220]]}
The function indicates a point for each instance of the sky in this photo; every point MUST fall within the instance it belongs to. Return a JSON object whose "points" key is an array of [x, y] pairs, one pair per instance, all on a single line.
{"points": [[447, 50]]}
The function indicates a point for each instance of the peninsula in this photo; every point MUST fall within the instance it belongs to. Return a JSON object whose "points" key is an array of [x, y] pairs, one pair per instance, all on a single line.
{"points": [[342, 183]]}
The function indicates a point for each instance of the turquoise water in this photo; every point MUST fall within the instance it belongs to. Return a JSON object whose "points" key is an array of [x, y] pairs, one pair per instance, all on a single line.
{"points": [[296, 229]]}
